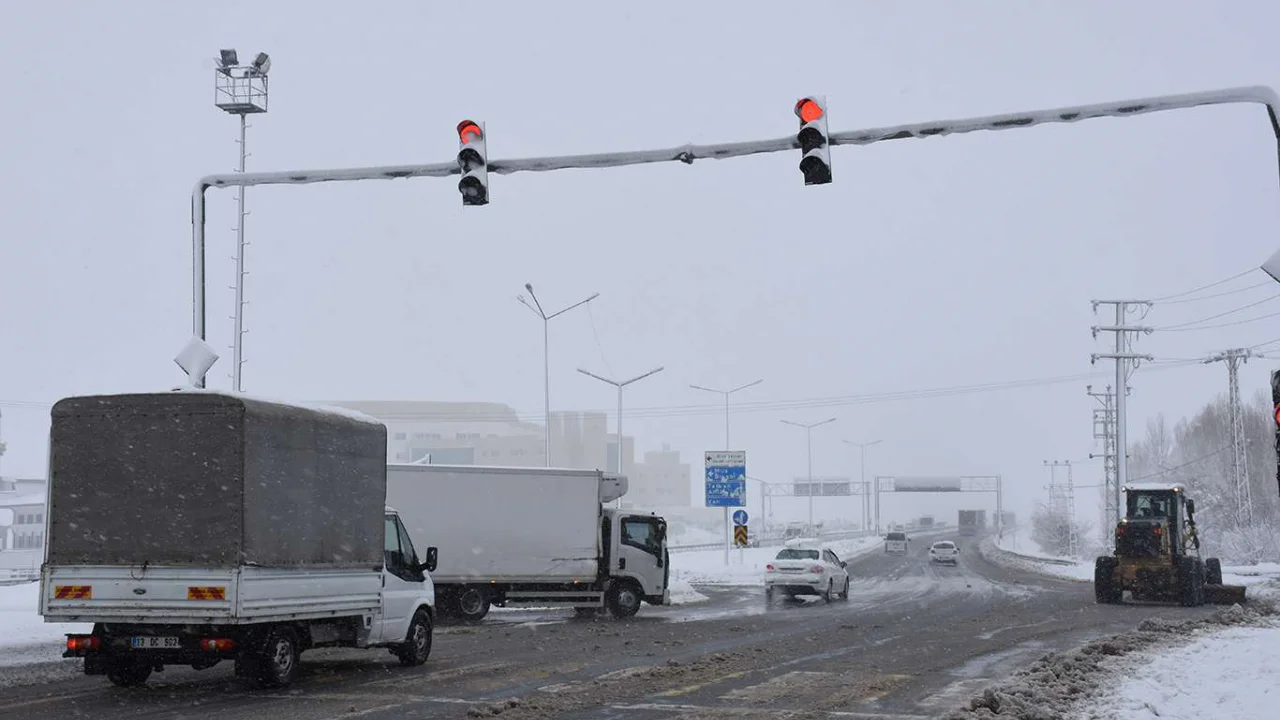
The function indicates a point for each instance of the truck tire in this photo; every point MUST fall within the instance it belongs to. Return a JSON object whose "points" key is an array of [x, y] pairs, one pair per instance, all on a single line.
{"points": [[1213, 571], [1105, 589], [417, 643], [623, 599], [124, 673], [472, 604], [277, 662]]}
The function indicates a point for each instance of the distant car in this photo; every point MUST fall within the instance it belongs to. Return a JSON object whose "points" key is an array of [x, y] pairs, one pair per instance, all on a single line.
{"points": [[896, 542], [944, 551], [805, 569]]}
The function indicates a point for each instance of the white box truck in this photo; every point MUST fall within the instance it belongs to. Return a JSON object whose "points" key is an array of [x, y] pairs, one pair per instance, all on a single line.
{"points": [[193, 527], [532, 536]]}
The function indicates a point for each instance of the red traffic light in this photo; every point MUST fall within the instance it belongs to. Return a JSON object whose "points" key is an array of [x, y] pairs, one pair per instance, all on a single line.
{"points": [[469, 130], [808, 110]]}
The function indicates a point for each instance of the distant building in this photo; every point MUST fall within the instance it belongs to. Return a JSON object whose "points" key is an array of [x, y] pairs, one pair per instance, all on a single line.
{"points": [[22, 523], [452, 433]]}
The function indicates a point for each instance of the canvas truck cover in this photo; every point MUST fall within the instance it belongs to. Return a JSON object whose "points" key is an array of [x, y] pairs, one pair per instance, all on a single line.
{"points": [[207, 479]]}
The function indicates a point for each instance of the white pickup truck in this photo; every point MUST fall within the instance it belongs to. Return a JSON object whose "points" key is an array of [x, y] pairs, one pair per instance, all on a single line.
{"points": [[196, 527]]}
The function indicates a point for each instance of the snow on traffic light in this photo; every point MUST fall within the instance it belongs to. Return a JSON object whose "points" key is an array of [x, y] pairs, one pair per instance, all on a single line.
{"points": [[473, 161]]}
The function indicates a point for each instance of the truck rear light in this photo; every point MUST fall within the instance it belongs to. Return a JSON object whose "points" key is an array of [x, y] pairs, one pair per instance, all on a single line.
{"points": [[83, 643], [217, 644]]}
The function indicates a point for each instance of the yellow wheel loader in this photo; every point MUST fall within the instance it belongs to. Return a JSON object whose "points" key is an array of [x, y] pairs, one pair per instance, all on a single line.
{"points": [[1157, 555]]}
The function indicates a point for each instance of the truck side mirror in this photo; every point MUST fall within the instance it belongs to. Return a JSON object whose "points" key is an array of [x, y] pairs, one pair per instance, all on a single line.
{"points": [[1191, 507], [433, 557]]}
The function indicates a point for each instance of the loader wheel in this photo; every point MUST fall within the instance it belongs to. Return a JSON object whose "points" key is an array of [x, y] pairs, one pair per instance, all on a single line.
{"points": [[1190, 582], [1213, 571], [1105, 589]]}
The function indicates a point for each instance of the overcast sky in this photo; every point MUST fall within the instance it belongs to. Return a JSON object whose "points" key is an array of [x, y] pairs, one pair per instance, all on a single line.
{"points": [[926, 264]]}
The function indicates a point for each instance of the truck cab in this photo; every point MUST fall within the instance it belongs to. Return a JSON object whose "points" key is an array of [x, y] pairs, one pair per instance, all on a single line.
{"points": [[637, 551], [406, 585]]}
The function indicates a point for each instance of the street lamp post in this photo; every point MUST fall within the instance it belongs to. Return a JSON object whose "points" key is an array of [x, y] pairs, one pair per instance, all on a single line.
{"points": [[726, 394], [862, 479], [620, 384], [240, 90], [808, 432], [536, 307]]}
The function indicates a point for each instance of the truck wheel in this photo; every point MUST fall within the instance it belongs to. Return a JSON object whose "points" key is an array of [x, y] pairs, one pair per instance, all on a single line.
{"points": [[417, 644], [278, 661], [128, 674], [1105, 589], [472, 604], [1213, 571], [623, 600]]}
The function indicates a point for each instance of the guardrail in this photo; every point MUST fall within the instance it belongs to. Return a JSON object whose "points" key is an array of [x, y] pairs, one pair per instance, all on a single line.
{"points": [[1065, 562], [16, 576], [776, 540]]}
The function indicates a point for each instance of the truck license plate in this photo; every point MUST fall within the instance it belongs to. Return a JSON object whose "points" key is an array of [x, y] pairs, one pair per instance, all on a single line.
{"points": [[151, 642]]}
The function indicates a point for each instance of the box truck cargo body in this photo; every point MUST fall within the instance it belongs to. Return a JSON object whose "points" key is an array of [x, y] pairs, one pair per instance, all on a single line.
{"points": [[532, 535], [194, 527]]}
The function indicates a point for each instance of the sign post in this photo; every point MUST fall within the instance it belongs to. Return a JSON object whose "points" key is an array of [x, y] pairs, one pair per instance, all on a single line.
{"points": [[740, 532], [726, 484]]}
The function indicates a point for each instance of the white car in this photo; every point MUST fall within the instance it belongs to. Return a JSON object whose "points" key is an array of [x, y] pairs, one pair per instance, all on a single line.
{"points": [[944, 551], [896, 542], [805, 569]]}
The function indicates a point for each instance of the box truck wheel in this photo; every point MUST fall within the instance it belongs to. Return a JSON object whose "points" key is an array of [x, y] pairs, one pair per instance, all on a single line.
{"points": [[472, 604], [417, 644], [623, 599]]}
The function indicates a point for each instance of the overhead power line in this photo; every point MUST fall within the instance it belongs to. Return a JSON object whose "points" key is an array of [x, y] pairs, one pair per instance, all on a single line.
{"points": [[1224, 293], [1233, 311], [1193, 291]]}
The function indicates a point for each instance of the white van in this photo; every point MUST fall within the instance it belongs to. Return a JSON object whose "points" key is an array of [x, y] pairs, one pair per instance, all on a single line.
{"points": [[896, 542]]}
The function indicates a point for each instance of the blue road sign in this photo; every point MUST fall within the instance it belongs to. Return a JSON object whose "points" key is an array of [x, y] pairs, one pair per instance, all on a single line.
{"points": [[739, 517], [726, 478]]}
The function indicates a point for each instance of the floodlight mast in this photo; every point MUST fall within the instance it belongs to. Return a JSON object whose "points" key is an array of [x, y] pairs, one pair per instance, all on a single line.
{"points": [[240, 90], [1260, 95]]}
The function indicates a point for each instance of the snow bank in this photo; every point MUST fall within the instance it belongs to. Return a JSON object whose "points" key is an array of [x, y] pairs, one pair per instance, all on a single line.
{"points": [[22, 629], [1261, 579], [1231, 673], [682, 593], [1064, 685]]}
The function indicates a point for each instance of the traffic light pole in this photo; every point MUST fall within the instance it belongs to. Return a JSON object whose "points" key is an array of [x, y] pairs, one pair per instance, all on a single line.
{"points": [[689, 153]]}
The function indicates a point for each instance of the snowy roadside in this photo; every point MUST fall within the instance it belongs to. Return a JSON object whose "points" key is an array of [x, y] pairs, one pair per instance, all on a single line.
{"points": [[1204, 668], [24, 636], [1018, 554]]}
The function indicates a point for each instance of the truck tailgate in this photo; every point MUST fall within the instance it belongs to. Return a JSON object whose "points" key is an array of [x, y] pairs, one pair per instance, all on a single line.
{"points": [[205, 595]]}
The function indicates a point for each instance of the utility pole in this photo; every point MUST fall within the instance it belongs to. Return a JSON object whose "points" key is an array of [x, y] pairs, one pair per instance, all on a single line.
{"points": [[1124, 361], [1239, 461], [1062, 502], [1104, 429]]}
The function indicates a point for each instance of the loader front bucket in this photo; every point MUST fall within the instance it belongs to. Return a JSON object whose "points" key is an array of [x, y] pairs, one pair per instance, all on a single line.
{"points": [[1224, 594]]}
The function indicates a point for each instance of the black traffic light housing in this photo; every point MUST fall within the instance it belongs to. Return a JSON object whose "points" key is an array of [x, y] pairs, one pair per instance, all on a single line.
{"points": [[473, 161], [815, 153]]}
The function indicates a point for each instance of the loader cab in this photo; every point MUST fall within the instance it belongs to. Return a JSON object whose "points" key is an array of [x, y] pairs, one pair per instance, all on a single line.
{"points": [[1153, 525]]}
